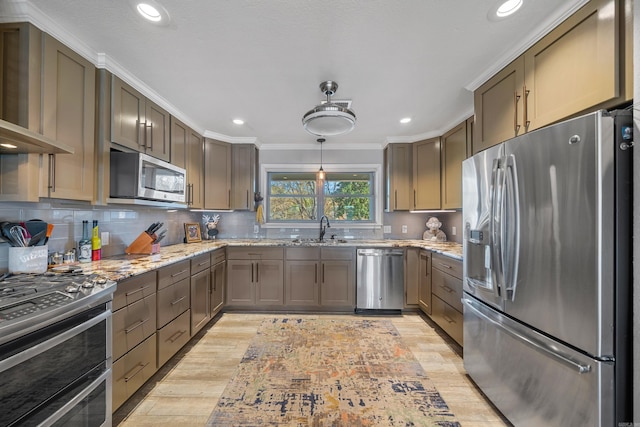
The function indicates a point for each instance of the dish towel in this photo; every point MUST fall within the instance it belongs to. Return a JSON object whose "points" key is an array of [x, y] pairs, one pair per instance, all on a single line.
{"points": [[259, 215]]}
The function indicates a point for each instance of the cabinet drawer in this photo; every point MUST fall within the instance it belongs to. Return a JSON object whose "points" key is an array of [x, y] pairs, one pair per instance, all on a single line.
{"points": [[217, 256], [302, 253], [173, 273], [173, 337], [133, 370], [340, 254], [447, 264], [132, 324], [255, 253], [200, 263], [173, 301], [447, 288], [447, 318], [133, 289]]}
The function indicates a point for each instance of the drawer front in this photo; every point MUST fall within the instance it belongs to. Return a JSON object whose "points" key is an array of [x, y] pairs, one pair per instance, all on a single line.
{"points": [[133, 370], [173, 301], [217, 256], [173, 337], [302, 254], [255, 253], [447, 288], [340, 254], [447, 318], [133, 324], [200, 263], [133, 289], [447, 264], [173, 273]]}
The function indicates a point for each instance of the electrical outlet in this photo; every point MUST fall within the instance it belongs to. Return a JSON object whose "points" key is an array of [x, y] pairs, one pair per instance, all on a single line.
{"points": [[453, 231], [104, 236], [404, 229], [386, 229], [256, 228]]}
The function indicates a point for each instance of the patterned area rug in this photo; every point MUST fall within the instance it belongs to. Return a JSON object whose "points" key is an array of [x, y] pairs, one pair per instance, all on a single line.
{"points": [[324, 372]]}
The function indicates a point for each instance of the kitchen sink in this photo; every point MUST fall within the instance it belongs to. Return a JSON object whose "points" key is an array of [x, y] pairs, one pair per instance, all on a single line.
{"points": [[317, 241]]}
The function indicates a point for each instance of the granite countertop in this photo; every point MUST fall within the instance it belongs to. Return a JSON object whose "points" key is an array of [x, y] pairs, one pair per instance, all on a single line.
{"points": [[122, 266]]}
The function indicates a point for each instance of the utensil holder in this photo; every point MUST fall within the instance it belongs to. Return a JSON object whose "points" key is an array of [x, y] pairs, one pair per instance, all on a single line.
{"points": [[30, 259], [143, 245]]}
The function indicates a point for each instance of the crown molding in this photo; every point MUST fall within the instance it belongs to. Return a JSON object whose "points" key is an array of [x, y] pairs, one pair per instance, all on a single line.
{"points": [[232, 139], [307, 147], [431, 134]]}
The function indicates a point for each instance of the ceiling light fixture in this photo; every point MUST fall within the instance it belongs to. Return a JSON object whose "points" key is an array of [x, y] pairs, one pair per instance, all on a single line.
{"points": [[329, 119], [508, 7], [238, 121], [321, 174], [405, 120], [151, 11], [7, 145]]}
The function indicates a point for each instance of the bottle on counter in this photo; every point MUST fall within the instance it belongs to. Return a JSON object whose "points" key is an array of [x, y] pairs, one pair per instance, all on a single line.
{"points": [[85, 245], [96, 243]]}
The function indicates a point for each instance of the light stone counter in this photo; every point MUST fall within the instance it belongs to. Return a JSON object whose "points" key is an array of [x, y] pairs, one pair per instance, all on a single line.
{"points": [[122, 266]]}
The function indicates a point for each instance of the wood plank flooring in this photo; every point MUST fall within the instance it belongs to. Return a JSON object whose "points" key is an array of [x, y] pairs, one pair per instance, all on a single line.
{"points": [[185, 391]]}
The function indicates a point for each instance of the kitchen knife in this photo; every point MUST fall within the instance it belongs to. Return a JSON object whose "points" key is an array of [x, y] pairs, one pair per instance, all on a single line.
{"points": [[157, 227], [149, 230], [160, 237]]}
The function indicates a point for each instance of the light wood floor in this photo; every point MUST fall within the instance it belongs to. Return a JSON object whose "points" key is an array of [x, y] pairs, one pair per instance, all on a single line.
{"points": [[185, 391]]}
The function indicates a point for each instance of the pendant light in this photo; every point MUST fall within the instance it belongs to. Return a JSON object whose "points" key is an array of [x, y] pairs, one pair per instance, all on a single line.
{"points": [[321, 174], [328, 118]]}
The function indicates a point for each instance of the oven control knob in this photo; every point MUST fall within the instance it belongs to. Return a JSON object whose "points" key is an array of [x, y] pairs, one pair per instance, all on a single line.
{"points": [[72, 289], [101, 281], [88, 284]]}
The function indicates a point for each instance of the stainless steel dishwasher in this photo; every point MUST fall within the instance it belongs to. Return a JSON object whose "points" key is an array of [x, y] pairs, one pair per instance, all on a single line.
{"points": [[380, 281]]}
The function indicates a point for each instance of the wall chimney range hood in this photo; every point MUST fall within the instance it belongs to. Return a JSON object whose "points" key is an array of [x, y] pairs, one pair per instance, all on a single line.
{"points": [[27, 141]]}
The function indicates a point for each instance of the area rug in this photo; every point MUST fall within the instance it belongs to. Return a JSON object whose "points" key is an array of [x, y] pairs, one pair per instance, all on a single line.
{"points": [[327, 372]]}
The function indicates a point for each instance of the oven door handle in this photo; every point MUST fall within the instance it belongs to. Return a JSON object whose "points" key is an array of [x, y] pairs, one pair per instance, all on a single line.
{"points": [[16, 359]]}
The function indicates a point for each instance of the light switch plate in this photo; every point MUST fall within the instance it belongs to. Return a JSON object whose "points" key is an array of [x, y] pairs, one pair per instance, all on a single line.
{"points": [[256, 228], [453, 231], [404, 229], [104, 236], [386, 229]]}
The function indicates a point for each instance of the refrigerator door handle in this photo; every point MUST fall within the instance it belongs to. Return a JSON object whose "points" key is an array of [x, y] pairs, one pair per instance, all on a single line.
{"points": [[510, 227], [541, 347], [494, 226]]}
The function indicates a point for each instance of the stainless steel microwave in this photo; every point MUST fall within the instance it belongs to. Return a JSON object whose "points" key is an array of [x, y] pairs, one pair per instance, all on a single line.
{"points": [[140, 176]]}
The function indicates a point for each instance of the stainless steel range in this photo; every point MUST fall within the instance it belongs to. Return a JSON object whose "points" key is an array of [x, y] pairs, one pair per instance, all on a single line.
{"points": [[55, 349]]}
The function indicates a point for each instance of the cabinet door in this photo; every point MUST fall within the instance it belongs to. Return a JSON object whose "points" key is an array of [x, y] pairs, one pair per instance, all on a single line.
{"points": [[127, 121], [270, 282], [199, 300], [301, 282], [240, 279], [157, 131], [424, 291], [218, 280], [68, 116], [412, 277], [217, 174], [179, 138], [398, 176], [426, 174], [243, 176], [454, 151], [337, 286], [195, 164], [498, 106], [575, 66]]}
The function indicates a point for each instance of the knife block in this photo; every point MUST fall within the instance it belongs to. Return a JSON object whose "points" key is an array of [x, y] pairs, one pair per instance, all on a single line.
{"points": [[143, 245]]}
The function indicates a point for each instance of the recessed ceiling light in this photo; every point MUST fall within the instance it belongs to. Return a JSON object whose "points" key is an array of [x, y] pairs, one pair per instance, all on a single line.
{"points": [[405, 120], [5, 145], [149, 12], [508, 7], [238, 121], [152, 11]]}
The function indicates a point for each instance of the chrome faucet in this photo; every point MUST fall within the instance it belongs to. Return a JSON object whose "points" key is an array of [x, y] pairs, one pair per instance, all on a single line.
{"points": [[323, 229]]}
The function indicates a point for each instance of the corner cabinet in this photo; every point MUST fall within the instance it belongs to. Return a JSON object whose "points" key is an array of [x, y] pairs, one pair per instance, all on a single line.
{"points": [[398, 177], [579, 66], [138, 123], [217, 174], [426, 174], [453, 152], [244, 176]]}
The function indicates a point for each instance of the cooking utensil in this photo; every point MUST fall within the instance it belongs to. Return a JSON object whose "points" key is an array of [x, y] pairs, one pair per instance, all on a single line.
{"points": [[19, 235], [38, 239], [35, 226], [49, 231]]}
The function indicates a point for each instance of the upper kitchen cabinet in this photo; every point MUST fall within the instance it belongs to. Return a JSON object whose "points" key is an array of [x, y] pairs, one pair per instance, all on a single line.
{"points": [[453, 152], [138, 123], [398, 167], [217, 174], [195, 164], [179, 138], [244, 176], [426, 174], [582, 65]]}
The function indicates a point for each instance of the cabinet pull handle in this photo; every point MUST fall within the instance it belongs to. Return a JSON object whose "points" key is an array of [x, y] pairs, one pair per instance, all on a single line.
{"points": [[178, 300], [137, 290], [189, 194], [322, 272], [252, 280], [136, 326], [448, 319], [140, 367], [52, 173], [179, 273], [229, 198], [151, 136], [247, 199], [316, 276], [203, 263], [395, 199], [177, 335], [527, 122], [414, 198], [516, 126], [444, 265], [447, 289], [257, 272], [143, 136]]}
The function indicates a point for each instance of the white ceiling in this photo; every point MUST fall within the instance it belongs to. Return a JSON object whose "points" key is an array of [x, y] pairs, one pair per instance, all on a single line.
{"points": [[263, 60]]}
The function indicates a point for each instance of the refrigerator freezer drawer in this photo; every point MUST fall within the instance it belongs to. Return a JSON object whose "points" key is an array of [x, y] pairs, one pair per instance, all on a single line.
{"points": [[533, 380]]}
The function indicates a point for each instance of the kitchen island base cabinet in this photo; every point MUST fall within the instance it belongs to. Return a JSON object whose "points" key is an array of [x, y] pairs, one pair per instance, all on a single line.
{"points": [[132, 370]]}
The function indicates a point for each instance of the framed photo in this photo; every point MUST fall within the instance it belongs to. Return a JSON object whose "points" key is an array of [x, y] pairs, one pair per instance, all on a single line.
{"points": [[192, 232]]}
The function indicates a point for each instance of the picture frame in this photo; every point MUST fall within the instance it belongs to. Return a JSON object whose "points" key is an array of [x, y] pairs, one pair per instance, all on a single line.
{"points": [[192, 232]]}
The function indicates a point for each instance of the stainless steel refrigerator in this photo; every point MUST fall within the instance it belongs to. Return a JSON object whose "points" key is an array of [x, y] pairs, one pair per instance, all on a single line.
{"points": [[547, 273]]}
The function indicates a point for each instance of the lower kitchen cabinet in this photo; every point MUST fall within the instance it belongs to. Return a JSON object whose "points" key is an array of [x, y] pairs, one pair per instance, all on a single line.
{"points": [[132, 370], [173, 336], [337, 277], [255, 276], [200, 288], [424, 282], [446, 286], [411, 277], [301, 285], [218, 281]]}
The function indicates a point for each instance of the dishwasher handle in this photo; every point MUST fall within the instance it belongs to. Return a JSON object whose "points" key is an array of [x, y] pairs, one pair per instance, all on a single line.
{"points": [[380, 252]]}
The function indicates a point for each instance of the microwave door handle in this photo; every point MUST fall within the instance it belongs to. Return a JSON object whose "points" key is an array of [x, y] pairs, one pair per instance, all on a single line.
{"points": [[494, 227], [511, 227]]}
